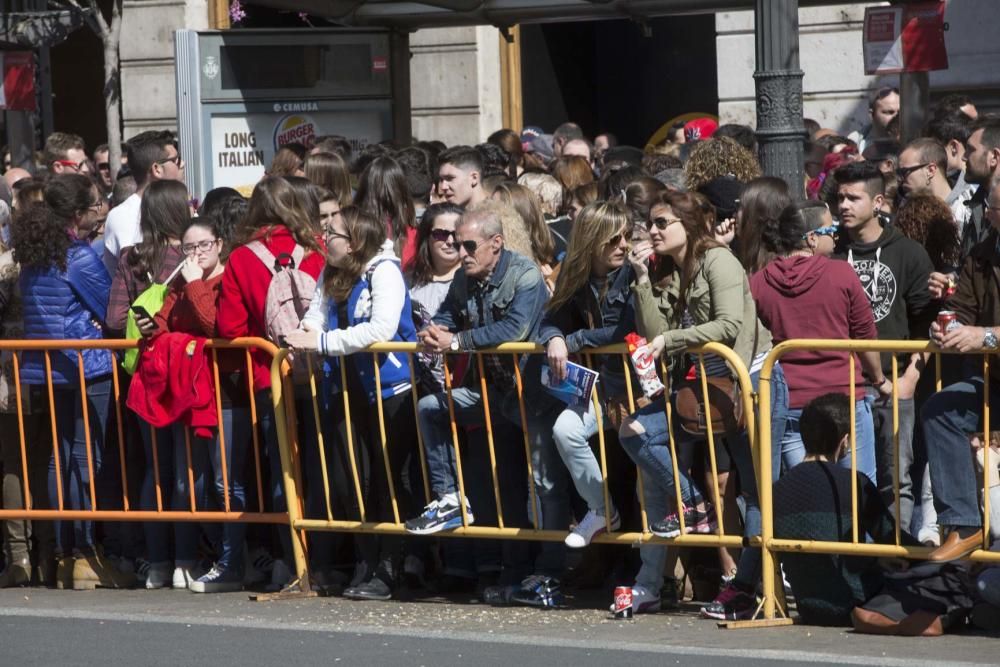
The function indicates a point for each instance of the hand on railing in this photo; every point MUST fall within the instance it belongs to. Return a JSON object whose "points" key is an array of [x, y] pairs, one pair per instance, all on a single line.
{"points": [[435, 339], [557, 357], [302, 339], [963, 338]]}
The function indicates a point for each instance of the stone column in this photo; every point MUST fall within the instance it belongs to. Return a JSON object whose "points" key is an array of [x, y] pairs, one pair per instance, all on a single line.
{"points": [[780, 131]]}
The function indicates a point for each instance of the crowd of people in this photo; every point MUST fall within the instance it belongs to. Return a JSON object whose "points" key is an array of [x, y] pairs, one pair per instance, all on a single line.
{"points": [[553, 239]]}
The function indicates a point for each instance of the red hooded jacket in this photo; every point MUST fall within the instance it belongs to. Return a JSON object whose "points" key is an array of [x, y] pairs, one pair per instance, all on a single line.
{"points": [[173, 382]]}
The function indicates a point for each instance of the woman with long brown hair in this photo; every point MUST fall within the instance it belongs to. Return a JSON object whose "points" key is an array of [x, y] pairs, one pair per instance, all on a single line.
{"points": [[384, 194], [361, 300], [589, 308], [329, 171], [277, 221], [706, 299]]}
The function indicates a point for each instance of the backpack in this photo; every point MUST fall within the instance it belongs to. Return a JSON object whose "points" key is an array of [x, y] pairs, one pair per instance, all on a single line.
{"points": [[288, 294]]}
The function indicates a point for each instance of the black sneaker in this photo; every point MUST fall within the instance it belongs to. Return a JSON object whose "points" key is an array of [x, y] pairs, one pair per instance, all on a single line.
{"points": [[373, 589], [695, 521], [441, 514], [540, 591]]}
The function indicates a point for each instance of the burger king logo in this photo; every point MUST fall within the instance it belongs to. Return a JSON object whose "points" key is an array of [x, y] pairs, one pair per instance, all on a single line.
{"points": [[295, 128]]}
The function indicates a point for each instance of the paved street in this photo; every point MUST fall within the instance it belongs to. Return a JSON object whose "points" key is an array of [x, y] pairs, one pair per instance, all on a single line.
{"points": [[43, 627]]}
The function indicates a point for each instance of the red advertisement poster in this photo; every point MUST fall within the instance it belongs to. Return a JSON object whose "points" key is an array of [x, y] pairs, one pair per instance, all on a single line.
{"points": [[18, 92]]}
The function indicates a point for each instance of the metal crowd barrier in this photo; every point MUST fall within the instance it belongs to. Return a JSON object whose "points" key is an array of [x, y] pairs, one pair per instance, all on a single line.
{"points": [[126, 511], [292, 450], [857, 546]]}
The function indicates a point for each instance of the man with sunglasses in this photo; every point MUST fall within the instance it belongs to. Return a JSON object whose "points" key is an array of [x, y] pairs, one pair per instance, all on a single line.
{"points": [[152, 156], [496, 297], [101, 154], [65, 154], [894, 272]]}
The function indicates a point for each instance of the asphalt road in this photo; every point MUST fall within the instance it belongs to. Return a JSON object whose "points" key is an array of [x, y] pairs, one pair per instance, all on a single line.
{"points": [[139, 628]]}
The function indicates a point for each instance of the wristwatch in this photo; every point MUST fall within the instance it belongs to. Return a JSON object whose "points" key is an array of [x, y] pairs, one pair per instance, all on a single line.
{"points": [[454, 346], [990, 341]]}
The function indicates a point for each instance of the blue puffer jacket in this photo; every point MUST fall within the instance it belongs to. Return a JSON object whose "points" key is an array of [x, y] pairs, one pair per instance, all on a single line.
{"points": [[68, 304]]}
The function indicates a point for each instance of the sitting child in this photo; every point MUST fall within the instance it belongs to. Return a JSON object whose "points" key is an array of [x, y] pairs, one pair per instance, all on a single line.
{"points": [[812, 501]]}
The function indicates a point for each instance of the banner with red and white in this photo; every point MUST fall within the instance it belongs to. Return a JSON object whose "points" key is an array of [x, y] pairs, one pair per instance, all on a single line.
{"points": [[18, 90]]}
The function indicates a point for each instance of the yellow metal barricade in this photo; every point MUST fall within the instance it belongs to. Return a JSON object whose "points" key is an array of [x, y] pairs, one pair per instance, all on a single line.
{"points": [[857, 546], [124, 511], [289, 443]]}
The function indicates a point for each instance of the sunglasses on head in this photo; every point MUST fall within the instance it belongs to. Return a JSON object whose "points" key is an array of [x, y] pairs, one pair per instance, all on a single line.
{"points": [[661, 223], [441, 234]]}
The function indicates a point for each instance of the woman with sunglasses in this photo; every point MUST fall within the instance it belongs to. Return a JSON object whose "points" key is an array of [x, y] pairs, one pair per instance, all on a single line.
{"points": [[434, 267], [804, 294], [361, 300], [590, 308], [705, 298]]}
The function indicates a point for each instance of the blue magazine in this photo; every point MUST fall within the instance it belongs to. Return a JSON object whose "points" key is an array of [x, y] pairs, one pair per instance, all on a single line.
{"points": [[576, 388]]}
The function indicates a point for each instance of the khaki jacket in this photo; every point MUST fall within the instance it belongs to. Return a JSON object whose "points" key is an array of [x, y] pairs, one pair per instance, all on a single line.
{"points": [[719, 302]]}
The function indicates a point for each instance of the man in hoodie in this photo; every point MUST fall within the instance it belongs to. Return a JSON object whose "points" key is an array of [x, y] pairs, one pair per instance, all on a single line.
{"points": [[894, 271]]}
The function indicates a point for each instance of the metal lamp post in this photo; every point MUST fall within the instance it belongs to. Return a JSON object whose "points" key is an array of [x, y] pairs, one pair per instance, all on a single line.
{"points": [[778, 79]]}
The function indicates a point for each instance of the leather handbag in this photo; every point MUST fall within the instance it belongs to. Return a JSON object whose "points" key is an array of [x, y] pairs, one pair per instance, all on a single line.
{"points": [[725, 406]]}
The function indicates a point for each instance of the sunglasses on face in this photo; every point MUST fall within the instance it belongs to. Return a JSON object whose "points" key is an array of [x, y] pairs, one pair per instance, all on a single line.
{"points": [[104, 166], [833, 231], [615, 240], [470, 247], [903, 172], [441, 235], [661, 223]]}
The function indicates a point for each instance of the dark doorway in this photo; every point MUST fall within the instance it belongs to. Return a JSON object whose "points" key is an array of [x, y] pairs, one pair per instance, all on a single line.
{"points": [[608, 77]]}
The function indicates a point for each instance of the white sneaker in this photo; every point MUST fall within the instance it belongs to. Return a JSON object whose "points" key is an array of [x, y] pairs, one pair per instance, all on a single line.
{"points": [[183, 576], [158, 576], [590, 526], [643, 601], [258, 566]]}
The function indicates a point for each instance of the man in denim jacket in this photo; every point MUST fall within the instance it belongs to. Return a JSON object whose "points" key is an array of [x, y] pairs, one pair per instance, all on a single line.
{"points": [[497, 297]]}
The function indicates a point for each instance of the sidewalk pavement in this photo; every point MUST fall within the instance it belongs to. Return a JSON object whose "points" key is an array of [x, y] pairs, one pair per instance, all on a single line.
{"points": [[679, 633]]}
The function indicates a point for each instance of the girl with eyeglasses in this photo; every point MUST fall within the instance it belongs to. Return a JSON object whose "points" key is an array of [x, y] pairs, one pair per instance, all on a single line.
{"points": [[704, 298], [190, 307], [361, 300]]}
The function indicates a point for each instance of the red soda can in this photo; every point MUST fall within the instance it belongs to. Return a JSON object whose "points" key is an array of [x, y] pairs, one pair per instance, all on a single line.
{"points": [[623, 602], [948, 320]]}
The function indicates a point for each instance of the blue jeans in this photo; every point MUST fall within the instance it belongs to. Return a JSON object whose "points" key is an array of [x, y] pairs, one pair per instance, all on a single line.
{"points": [[237, 428], [748, 570], [885, 453], [171, 453], [947, 418], [77, 537], [651, 452], [793, 451], [560, 452], [435, 426]]}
